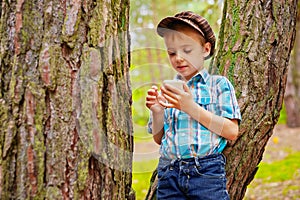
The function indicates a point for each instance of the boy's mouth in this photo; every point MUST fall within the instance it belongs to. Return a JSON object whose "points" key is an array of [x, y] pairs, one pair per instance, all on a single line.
{"points": [[181, 67]]}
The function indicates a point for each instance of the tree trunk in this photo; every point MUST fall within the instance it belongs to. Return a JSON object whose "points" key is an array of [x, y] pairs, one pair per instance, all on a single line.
{"points": [[292, 93], [255, 42], [65, 100]]}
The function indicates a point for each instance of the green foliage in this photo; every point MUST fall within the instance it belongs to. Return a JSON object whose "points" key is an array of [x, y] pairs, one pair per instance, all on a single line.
{"points": [[282, 118], [141, 133], [147, 13]]}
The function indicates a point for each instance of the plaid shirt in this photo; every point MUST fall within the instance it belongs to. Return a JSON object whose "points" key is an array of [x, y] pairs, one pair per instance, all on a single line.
{"points": [[185, 137]]}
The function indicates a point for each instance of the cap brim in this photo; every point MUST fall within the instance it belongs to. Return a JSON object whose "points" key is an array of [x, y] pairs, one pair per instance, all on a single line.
{"points": [[164, 25]]}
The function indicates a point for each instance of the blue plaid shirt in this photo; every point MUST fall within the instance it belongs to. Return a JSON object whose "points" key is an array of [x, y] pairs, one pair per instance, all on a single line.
{"points": [[185, 137]]}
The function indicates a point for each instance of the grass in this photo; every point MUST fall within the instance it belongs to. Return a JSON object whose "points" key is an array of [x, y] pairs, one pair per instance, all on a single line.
{"points": [[142, 172], [281, 170], [277, 180]]}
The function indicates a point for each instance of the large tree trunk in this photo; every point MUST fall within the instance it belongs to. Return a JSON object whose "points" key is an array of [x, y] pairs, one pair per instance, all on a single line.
{"points": [[255, 42], [65, 100], [292, 94], [254, 50]]}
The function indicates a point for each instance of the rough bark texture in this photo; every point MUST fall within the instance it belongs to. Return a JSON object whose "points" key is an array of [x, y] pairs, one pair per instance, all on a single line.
{"points": [[65, 99], [254, 46], [292, 93], [254, 50]]}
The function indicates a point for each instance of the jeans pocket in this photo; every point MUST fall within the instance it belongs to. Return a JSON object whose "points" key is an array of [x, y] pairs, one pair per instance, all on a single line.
{"points": [[211, 170], [162, 172]]}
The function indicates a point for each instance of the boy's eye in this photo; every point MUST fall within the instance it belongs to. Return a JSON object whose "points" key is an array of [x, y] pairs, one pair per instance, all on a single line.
{"points": [[187, 50], [171, 53]]}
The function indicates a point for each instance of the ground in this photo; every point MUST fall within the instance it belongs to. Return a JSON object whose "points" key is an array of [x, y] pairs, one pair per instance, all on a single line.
{"points": [[283, 141]]}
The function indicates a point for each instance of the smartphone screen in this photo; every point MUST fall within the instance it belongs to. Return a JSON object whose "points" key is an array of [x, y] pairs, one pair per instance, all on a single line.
{"points": [[175, 83]]}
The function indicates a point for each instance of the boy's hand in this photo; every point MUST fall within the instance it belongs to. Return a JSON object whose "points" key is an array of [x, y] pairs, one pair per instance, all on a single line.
{"points": [[153, 100], [182, 100]]}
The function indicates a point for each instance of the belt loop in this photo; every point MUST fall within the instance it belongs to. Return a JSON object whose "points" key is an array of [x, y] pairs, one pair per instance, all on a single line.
{"points": [[224, 157], [197, 161], [173, 162]]}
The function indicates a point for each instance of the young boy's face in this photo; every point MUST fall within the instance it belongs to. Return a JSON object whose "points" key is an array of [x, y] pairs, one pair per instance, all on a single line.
{"points": [[186, 53]]}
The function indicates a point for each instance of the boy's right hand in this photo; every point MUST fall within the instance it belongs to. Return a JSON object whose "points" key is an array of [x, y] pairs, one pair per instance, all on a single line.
{"points": [[152, 100]]}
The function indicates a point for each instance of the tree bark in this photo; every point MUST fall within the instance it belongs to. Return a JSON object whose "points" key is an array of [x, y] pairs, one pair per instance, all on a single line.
{"points": [[255, 42], [65, 100], [254, 46], [292, 94]]}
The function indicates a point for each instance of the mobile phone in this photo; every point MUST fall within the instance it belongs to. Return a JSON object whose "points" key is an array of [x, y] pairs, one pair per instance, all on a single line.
{"points": [[175, 83]]}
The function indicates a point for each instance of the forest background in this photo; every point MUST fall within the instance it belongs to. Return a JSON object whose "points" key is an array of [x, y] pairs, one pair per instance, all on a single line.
{"points": [[150, 66]]}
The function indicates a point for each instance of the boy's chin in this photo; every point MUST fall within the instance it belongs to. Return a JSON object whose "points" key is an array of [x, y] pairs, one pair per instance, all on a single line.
{"points": [[188, 76]]}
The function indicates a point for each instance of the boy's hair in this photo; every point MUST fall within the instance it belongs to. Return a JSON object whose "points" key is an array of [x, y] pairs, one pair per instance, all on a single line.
{"points": [[192, 20]]}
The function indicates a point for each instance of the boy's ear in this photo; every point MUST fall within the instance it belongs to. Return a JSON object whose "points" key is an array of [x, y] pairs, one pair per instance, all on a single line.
{"points": [[207, 48]]}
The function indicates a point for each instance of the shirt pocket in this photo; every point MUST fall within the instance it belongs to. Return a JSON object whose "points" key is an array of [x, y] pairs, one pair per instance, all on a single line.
{"points": [[203, 95], [207, 99]]}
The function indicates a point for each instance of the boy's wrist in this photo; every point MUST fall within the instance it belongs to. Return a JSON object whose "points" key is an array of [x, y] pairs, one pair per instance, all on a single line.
{"points": [[158, 110], [191, 108]]}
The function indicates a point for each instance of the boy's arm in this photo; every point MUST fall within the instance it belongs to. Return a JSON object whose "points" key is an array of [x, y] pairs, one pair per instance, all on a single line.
{"points": [[157, 111], [227, 128], [158, 126]]}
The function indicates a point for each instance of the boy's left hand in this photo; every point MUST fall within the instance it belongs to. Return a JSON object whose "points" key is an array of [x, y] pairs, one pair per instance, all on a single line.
{"points": [[176, 98]]}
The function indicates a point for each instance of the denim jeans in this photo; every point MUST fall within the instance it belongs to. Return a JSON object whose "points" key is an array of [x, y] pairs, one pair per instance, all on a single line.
{"points": [[192, 178]]}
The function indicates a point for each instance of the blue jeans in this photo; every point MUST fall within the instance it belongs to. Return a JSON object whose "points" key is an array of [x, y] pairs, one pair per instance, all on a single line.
{"points": [[192, 178]]}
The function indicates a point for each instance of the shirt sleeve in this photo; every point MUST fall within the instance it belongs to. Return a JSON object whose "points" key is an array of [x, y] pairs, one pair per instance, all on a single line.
{"points": [[227, 101], [149, 125]]}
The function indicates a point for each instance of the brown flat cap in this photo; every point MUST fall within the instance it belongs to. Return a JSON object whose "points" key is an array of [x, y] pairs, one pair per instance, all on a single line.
{"points": [[193, 20]]}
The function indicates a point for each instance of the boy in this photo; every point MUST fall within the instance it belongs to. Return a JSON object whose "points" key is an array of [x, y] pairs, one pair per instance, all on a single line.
{"points": [[192, 125]]}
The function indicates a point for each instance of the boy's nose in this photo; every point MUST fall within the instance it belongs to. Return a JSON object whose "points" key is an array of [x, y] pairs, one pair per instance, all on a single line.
{"points": [[179, 58]]}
